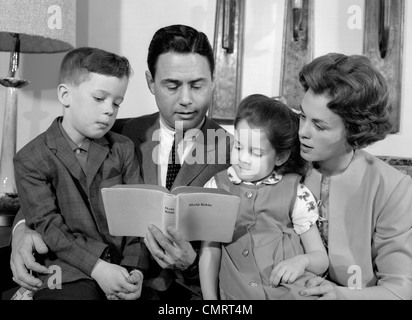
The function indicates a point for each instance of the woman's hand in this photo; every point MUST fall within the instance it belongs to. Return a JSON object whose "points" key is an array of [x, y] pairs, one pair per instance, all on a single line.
{"points": [[324, 289]]}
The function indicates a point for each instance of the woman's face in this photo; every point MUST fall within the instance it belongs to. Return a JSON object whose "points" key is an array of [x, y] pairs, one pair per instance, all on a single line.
{"points": [[321, 132]]}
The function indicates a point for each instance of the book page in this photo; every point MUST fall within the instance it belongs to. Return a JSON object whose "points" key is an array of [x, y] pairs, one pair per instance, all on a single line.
{"points": [[190, 189], [207, 216], [130, 210]]}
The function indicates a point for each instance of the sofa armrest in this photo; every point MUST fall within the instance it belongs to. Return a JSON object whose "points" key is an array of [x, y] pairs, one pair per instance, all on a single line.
{"points": [[6, 275]]}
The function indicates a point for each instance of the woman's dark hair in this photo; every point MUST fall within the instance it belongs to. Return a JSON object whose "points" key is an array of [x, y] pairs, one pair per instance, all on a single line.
{"points": [[79, 62], [179, 39], [281, 126], [358, 93]]}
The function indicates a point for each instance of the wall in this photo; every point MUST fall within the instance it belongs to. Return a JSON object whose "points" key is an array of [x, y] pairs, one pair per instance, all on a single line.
{"points": [[122, 26], [333, 33], [126, 27]]}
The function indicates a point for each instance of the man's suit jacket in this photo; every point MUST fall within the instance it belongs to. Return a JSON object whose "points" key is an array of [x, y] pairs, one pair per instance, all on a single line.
{"points": [[143, 131], [64, 204]]}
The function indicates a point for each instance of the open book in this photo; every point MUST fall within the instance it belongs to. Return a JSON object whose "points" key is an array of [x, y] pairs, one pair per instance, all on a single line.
{"points": [[198, 213]]}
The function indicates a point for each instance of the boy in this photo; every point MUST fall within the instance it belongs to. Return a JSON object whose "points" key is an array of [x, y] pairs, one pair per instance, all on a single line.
{"points": [[60, 175]]}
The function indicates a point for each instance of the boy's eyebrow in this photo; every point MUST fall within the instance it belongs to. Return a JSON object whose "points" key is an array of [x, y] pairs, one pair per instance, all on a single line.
{"points": [[101, 90], [107, 93]]}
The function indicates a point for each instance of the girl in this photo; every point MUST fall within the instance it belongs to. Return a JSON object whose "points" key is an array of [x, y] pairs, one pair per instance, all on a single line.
{"points": [[276, 246]]}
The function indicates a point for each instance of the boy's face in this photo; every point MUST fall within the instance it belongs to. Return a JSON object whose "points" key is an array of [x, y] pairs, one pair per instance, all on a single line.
{"points": [[91, 107], [252, 157], [182, 88]]}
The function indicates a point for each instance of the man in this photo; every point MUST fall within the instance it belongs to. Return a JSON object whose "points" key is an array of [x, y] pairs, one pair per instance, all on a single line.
{"points": [[180, 76]]}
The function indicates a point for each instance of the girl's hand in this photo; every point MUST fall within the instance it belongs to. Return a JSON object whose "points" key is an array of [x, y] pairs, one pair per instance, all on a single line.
{"points": [[288, 271]]}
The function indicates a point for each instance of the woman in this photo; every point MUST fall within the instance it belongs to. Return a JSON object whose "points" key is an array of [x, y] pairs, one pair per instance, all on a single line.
{"points": [[365, 205]]}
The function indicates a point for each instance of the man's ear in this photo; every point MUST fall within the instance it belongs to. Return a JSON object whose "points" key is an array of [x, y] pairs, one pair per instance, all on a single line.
{"points": [[282, 158], [63, 93], [149, 81]]}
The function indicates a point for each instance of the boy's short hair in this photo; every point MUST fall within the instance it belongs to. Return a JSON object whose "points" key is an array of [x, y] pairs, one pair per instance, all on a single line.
{"points": [[358, 92], [179, 39], [78, 63]]}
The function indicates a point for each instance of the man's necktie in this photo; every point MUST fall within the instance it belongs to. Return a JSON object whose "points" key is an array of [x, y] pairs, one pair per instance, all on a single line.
{"points": [[173, 166]]}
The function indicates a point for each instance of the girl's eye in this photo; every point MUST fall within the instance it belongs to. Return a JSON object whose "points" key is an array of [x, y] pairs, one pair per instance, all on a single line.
{"points": [[116, 105], [319, 128], [302, 116], [98, 99]]}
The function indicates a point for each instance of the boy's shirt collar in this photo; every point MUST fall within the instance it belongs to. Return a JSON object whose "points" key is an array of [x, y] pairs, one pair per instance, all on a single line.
{"points": [[85, 145], [273, 178]]}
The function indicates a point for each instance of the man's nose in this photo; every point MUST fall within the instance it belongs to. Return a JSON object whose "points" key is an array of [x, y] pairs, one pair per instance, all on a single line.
{"points": [[186, 96]]}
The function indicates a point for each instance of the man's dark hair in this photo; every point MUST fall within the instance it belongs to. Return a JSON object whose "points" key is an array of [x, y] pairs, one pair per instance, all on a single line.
{"points": [[179, 39]]}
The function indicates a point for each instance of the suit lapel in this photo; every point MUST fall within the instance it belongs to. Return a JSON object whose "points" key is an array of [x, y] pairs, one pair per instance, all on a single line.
{"points": [[189, 172], [149, 152], [61, 148], [97, 153]]}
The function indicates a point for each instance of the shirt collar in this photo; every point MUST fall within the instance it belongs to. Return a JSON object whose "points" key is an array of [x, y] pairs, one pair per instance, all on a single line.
{"points": [[273, 178], [85, 145], [169, 133]]}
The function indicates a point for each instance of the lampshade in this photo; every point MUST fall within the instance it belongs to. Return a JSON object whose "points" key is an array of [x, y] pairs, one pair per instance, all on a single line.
{"points": [[26, 26], [44, 26]]}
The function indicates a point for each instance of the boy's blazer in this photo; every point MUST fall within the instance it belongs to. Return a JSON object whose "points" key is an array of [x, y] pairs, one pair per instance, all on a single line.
{"points": [[64, 204]]}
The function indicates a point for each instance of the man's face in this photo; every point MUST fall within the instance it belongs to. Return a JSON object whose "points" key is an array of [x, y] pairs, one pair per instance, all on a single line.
{"points": [[182, 87]]}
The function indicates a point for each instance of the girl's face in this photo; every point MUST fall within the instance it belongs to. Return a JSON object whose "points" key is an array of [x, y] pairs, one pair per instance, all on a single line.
{"points": [[252, 157], [322, 133]]}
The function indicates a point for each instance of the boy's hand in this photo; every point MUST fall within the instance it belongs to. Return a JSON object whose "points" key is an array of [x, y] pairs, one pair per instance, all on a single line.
{"points": [[113, 279], [289, 270], [136, 279]]}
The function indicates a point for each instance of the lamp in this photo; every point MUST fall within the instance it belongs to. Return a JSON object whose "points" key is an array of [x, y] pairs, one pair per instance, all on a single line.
{"points": [[27, 26]]}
